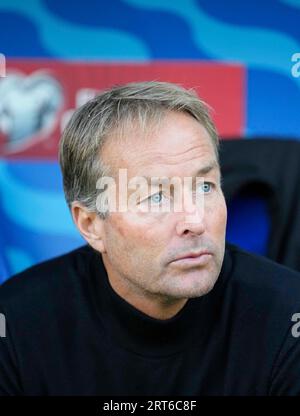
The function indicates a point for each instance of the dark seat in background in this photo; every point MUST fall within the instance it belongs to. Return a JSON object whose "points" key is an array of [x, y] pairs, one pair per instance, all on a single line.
{"points": [[261, 184]]}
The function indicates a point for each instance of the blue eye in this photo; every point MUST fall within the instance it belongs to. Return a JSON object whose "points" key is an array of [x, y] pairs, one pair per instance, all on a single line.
{"points": [[206, 187], [156, 198]]}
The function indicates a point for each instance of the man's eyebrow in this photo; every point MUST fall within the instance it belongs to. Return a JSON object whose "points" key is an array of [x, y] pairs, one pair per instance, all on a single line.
{"points": [[208, 168], [201, 172]]}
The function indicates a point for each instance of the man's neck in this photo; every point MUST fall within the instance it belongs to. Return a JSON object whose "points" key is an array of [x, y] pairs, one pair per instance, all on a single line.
{"points": [[156, 306]]}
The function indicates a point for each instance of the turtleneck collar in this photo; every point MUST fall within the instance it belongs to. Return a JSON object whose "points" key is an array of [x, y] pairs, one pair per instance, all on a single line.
{"points": [[132, 329]]}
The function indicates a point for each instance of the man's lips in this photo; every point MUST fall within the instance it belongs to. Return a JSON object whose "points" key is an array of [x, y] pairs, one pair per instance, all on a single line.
{"points": [[193, 258]]}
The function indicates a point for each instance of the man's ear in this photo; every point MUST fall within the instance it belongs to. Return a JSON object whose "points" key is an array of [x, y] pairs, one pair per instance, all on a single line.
{"points": [[90, 226]]}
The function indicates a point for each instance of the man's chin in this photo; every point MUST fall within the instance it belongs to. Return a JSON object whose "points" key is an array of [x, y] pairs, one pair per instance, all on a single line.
{"points": [[192, 289]]}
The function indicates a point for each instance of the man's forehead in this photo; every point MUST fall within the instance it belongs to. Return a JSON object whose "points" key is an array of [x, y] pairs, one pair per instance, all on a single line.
{"points": [[203, 169], [177, 141]]}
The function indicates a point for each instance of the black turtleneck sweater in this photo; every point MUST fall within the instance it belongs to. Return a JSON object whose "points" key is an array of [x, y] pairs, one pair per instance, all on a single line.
{"points": [[69, 333]]}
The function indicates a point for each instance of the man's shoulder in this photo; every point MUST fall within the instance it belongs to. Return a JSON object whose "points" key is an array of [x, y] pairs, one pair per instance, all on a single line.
{"points": [[45, 277], [263, 279]]}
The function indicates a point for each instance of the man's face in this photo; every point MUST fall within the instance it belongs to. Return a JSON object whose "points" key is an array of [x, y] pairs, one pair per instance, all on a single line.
{"points": [[142, 248]]}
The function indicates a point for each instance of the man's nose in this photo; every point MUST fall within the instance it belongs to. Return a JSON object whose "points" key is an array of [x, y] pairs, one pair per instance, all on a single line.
{"points": [[191, 219]]}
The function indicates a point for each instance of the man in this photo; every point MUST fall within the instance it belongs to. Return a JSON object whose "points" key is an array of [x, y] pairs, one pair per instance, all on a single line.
{"points": [[156, 303]]}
